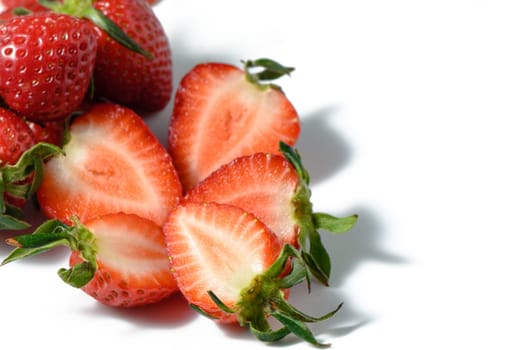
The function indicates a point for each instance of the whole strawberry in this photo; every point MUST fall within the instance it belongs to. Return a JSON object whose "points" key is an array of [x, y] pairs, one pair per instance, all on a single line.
{"points": [[46, 63], [129, 78]]}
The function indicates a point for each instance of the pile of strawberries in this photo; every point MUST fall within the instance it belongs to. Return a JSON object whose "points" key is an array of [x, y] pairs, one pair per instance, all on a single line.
{"points": [[223, 215]]}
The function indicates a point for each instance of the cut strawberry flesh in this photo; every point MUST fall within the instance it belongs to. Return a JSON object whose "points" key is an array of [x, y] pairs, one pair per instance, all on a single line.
{"points": [[112, 163], [218, 116], [219, 248], [133, 267], [262, 184]]}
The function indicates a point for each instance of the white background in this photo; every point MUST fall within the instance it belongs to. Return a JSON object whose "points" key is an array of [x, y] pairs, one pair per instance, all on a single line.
{"points": [[411, 117]]}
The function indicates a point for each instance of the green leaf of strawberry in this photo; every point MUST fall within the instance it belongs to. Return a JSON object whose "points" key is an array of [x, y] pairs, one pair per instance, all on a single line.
{"points": [[313, 250]]}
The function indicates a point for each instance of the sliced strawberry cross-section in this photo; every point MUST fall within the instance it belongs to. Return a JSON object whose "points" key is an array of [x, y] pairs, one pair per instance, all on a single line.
{"points": [[222, 112], [112, 163]]}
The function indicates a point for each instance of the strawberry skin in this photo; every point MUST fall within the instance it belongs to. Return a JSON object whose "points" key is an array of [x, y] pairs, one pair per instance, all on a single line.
{"points": [[128, 78], [219, 248], [46, 64], [263, 184], [10, 6], [112, 163], [16, 3], [15, 137], [219, 115], [133, 266], [51, 132]]}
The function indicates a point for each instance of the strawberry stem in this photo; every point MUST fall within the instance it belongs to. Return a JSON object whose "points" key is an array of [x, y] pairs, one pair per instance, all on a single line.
{"points": [[264, 70]]}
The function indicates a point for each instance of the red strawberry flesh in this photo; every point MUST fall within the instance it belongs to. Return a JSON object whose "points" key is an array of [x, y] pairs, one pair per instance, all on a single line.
{"points": [[219, 248], [112, 163], [133, 266], [218, 116], [262, 184]]}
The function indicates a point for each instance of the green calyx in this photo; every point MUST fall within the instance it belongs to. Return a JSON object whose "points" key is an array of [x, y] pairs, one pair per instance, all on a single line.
{"points": [[21, 180], [52, 234], [261, 72], [264, 298], [313, 252], [85, 9]]}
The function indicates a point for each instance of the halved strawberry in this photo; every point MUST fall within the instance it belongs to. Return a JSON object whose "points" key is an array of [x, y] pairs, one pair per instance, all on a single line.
{"points": [[263, 184], [229, 266], [276, 190], [119, 259], [112, 162], [222, 112]]}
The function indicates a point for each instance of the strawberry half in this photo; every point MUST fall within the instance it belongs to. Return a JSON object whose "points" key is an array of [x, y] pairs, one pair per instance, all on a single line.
{"points": [[276, 190], [112, 162], [229, 266], [263, 184], [222, 112], [118, 259]]}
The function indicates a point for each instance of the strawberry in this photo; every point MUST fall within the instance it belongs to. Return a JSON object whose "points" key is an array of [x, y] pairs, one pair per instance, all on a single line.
{"points": [[221, 112], [142, 82], [21, 166], [263, 184], [118, 259], [229, 265], [26, 3], [15, 137], [46, 64], [20, 7], [17, 3], [51, 132], [276, 190], [112, 162], [133, 65]]}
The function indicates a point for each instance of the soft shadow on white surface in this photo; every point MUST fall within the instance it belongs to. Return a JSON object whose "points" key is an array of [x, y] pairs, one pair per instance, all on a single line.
{"points": [[169, 313], [322, 148], [360, 245]]}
